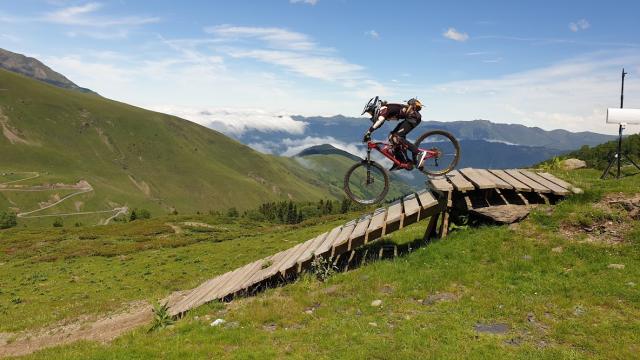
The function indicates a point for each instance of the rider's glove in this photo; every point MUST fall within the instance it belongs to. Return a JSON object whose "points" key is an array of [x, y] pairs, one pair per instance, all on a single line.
{"points": [[367, 136]]}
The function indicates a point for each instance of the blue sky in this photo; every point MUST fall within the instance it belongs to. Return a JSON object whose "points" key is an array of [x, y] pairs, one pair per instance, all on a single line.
{"points": [[552, 64]]}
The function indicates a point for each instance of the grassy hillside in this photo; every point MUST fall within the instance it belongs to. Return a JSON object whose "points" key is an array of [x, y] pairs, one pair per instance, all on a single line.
{"points": [[133, 157], [330, 169], [561, 284]]}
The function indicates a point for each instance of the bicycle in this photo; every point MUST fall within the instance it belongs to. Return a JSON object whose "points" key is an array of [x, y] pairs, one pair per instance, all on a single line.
{"points": [[367, 182]]}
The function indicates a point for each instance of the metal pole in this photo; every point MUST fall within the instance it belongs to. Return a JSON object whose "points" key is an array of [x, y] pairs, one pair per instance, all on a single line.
{"points": [[622, 90]]}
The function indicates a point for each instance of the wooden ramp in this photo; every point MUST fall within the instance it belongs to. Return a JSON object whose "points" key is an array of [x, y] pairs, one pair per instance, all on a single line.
{"points": [[474, 187], [334, 243], [471, 189]]}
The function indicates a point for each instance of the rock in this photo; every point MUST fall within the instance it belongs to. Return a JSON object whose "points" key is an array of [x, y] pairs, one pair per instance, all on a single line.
{"points": [[376, 303], [616, 266], [526, 257], [503, 214], [492, 328], [631, 284], [572, 164], [232, 325], [270, 327], [217, 322], [531, 317], [373, 324], [432, 299], [578, 310], [557, 249], [309, 311]]}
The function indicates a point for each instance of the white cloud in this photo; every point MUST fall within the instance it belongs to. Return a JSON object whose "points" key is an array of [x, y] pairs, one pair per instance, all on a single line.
{"points": [[373, 34], [276, 37], [581, 24], [455, 35], [571, 94], [310, 2], [236, 121], [82, 16]]}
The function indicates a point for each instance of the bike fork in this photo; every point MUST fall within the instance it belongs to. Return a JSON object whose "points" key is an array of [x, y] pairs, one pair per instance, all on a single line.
{"points": [[369, 177]]}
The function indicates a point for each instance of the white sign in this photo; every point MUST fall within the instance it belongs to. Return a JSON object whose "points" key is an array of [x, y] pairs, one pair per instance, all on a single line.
{"points": [[623, 116]]}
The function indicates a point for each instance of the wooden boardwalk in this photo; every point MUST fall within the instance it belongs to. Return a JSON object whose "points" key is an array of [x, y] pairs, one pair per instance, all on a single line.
{"points": [[464, 184]]}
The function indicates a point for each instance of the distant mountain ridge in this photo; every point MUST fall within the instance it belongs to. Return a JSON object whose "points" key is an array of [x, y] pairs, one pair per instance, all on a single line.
{"points": [[514, 134], [35, 69], [327, 149], [484, 144]]}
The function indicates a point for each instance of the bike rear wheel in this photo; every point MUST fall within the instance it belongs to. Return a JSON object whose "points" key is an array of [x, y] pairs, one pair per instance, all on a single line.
{"points": [[366, 183], [443, 152]]}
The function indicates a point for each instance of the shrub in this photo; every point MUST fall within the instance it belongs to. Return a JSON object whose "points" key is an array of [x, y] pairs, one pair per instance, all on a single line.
{"points": [[139, 214], [58, 222], [323, 268], [161, 317], [8, 220]]}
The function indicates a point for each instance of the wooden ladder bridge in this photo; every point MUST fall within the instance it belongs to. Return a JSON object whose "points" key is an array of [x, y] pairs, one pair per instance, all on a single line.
{"points": [[463, 189]]}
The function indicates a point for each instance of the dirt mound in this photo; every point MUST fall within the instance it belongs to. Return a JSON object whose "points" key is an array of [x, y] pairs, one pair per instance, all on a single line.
{"points": [[617, 213]]}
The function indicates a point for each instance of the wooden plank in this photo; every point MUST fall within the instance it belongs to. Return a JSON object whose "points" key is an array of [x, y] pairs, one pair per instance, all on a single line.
{"points": [[359, 233], [478, 180], [530, 183], [376, 226], [212, 292], [307, 255], [459, 181], [290, 265], [517, 185], [499, 183], [201, 294], [556, 180], [411, 210], [426, 199], [556, 189], [341, 244], [440, 183], [234, 284], [325, 247], [268, 268], [394, 217]]}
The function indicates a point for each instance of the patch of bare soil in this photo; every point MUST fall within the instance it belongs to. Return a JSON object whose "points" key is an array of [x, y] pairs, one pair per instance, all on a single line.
{"points": [[141, 185], [608, 231], [103, 329], [10, 132]]}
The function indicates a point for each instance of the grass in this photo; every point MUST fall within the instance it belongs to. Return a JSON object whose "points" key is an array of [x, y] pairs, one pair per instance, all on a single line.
{"points": [[555, 304]]}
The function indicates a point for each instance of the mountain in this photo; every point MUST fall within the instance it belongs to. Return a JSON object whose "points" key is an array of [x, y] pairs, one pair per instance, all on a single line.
{"points": [[35, 69], [484, 144], [129, 157], [327, 149]]}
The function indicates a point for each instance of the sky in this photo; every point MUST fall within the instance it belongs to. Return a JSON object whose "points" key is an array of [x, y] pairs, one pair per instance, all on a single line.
{"points": [[253, 64]]}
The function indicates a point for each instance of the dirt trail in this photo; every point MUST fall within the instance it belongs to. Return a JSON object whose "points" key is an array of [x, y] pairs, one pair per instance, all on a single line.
{"points": [[102, 330], [82, 186]]}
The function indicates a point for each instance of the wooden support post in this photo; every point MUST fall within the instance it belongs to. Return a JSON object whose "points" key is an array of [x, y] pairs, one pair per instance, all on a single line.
{"points": [[444, 225]]}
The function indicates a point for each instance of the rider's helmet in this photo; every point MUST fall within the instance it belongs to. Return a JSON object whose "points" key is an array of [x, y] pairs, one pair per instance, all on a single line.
{"points": [[415, 103], [371, 106]]}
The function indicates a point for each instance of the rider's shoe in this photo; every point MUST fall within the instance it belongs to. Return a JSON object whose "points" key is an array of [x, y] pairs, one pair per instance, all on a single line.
{"points": [[421, 158]]}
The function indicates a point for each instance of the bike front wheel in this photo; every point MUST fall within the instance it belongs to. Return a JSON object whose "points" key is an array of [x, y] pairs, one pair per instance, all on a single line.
{"points": [[443, 152], [366, 183]]}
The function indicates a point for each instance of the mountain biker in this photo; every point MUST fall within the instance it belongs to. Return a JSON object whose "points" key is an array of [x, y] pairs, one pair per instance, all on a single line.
{"points": [[411, 118]]}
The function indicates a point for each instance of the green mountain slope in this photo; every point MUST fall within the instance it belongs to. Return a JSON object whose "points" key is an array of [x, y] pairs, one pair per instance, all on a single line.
{"points": [[331, 164], [133, 157], [597, 156]]}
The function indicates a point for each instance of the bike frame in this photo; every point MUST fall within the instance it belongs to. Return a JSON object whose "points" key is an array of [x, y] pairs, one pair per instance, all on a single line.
{"points": [[386, 150]]}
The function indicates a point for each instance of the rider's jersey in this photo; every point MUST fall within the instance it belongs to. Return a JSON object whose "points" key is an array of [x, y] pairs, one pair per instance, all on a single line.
{"points": [[395, 112], [398, 112]]}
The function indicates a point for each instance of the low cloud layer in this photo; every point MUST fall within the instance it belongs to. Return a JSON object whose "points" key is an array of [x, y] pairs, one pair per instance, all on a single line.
{"points": [[237, 121]]}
